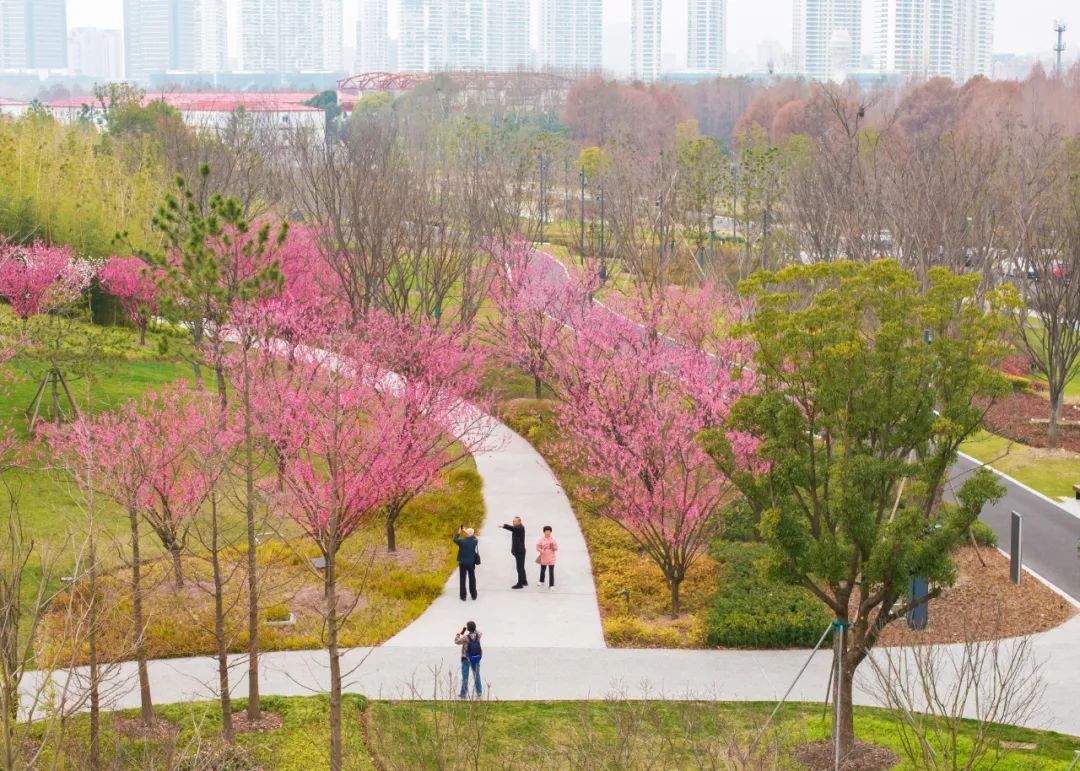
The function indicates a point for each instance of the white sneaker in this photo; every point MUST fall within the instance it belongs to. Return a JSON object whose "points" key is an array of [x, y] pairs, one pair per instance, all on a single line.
{"points": [[551, 588]]}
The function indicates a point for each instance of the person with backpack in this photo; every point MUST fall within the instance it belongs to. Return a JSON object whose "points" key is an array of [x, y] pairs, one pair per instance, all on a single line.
{"points": [[517, 549], [471, 653], [468, 557], [547, 546]]}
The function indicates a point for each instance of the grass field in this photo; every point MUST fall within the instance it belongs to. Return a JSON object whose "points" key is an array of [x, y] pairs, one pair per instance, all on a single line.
{"points": [[526, 735], [1052, 474]]}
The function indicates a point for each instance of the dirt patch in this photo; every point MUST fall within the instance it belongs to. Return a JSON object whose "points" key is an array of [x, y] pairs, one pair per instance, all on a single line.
{"points": [[159, 728], [818, 756], [984, 604], [268, 721], [311, 599], [1011, 417]]}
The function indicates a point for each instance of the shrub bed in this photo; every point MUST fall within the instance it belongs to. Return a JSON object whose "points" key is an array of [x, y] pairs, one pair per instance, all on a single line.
{"points": [[752, 611]]}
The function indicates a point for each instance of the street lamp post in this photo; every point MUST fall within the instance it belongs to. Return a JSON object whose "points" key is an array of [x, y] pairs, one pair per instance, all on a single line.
{"points": [[581, 246]]}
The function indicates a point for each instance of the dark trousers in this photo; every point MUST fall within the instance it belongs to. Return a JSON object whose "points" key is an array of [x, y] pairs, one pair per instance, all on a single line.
{"points": [[470, 571], [519, 560], [551, 574]]}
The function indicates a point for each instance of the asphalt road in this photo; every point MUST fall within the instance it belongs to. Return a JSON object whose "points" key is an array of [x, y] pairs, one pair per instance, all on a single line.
{"points": [[1050, 533]]}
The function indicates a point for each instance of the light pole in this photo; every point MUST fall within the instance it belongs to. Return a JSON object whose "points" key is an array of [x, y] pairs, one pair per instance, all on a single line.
{"points": [[543, 202], [581, 246]]}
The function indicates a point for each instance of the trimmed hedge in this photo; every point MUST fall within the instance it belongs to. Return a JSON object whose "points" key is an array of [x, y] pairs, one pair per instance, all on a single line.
{"points": [[752, 611]]}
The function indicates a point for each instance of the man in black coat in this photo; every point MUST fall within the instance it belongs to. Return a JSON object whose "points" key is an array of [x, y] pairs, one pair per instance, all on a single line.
{"points": [[517, 548], [466, 558]]}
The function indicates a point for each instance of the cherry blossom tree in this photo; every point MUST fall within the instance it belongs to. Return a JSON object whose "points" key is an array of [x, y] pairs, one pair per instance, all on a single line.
{"points": [[638, 387], [43, 284], [135, 286], [144, 462], [533, 298]]}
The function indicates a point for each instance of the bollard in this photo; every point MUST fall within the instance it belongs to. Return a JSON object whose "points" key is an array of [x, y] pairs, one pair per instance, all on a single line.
{"points": [[918, 617], [1016, 547]]}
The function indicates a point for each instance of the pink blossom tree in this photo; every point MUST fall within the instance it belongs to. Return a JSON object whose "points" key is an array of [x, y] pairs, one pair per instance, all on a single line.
{"points": [[636, 393], [135, 286], [43, 284], [534, 298], [143, 461]]}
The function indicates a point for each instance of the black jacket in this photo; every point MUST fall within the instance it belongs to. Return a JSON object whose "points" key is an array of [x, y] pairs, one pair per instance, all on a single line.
{"points": [[466, 549], [517, 538]]}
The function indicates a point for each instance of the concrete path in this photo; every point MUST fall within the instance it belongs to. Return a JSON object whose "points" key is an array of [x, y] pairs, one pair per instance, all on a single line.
{"points": [[517, 482], [399, 672]]}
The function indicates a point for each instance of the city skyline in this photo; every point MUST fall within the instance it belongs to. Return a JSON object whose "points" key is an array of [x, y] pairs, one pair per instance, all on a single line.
{"points": [[1020, 27]]}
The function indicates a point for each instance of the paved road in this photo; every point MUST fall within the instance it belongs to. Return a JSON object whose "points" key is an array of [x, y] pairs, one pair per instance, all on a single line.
{"points": [[1050, 532]]}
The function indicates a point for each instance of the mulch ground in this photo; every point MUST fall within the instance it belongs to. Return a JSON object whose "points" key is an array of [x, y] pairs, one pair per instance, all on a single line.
{"points": [[984, 604], [1011, 417], [268, 721], [818, 756], [159, 729]]}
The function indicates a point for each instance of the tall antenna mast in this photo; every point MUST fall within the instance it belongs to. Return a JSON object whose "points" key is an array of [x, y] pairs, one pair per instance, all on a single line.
{"points": [[1059, 49]]}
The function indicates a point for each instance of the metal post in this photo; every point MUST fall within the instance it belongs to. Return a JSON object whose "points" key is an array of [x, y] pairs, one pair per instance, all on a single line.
{"points": [[543, 203], [1075, 761], [839, 626], [1016, 560], [581, 247]]}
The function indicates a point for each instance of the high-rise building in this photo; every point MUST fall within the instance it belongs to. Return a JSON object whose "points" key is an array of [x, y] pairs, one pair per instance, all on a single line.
{"points": [[96, 53], [437, 35], [211, 43], [372, 38], [706, 35], [422, 45], [826, 38], [282, 36], [506, 30], [174, 36], [571, 35], [935, 38], [33, 34], [645, 34]]}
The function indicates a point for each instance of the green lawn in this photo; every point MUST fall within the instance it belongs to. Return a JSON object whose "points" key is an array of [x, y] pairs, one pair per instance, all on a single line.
{"points": [[523, 735], [1051, 476]]}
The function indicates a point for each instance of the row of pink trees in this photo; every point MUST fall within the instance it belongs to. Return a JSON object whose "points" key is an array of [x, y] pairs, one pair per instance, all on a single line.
{"points": [[637, 380]]}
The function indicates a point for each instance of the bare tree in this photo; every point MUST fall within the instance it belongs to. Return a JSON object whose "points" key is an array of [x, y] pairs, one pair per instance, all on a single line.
{"points": [[934, 693], [1047, 257]]}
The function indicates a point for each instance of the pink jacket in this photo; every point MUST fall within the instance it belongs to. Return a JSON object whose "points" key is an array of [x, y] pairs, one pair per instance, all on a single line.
{"points": [[547, 548]]}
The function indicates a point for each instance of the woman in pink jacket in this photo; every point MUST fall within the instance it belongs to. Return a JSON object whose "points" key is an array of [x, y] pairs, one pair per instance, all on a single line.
{"points": [[547, 546]]}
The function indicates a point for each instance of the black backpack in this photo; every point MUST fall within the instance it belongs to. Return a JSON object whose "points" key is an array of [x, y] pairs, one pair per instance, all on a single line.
{"points": [[472, 647]]}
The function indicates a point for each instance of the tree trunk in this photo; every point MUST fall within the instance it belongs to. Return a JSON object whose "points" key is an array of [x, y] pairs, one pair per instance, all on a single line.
{"points": [[219, 628], [196, 339], [335, 663], [146, 706], [1056, 401], [674, 584], [391, 535], [56, 396], [92, 654], [537, 387], [847, 719], [178, 571], [253, 708], [142, 334]]}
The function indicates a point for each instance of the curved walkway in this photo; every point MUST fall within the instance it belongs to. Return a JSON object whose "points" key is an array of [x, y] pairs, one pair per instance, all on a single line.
{"points": [[517, 482]]}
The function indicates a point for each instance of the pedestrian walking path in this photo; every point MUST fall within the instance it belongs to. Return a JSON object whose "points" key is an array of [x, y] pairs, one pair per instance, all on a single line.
{"points": [[517, 482], [403, 672]]}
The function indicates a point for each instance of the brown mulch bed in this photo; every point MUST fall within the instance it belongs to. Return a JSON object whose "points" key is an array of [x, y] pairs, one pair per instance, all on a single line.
{"points": [[818, 756], [134, 728], [1011, 417], [268, 721], [984, 604]]}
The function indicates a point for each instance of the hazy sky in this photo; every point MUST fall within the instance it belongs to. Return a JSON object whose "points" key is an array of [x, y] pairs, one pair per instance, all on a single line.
{"points": [[1021, 26]]}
